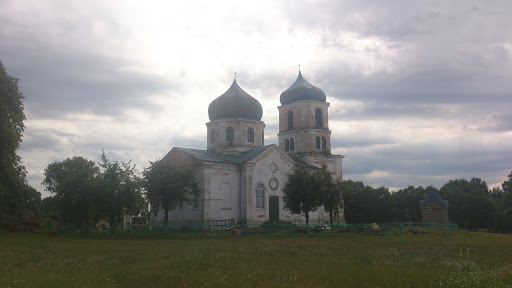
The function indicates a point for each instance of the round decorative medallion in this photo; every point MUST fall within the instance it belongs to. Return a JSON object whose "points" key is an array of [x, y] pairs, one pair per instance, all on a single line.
{"points": [[273, 183]]}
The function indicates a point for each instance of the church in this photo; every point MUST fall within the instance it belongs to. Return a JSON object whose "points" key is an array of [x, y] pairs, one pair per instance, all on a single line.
{"points": [[241, 178]]}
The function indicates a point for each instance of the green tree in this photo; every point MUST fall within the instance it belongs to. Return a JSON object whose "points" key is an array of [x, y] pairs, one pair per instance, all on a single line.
{"points": [[507, 185], [408, 200], [502, 198], [168, 186], [13, 187], [303, 192], [365, 204], [119, 190], [470, 206], [75, 182], [332, 199]]}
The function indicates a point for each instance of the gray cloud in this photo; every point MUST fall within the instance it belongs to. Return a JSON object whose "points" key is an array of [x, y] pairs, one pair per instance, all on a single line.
{"points": [[441, 66]]}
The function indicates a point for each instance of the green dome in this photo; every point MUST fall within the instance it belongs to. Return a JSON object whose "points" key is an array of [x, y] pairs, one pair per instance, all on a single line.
{"points": [[302, 90], [235, 104]]}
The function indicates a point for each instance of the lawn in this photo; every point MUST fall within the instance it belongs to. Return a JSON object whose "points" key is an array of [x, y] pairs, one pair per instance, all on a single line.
{"points": [[434, 259]]}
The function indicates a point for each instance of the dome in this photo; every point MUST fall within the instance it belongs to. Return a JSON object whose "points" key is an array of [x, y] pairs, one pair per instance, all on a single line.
{"points": [[235, 104], [302, 90]]}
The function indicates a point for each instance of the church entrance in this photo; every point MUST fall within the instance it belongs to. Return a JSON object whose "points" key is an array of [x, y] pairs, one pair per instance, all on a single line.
{"points": [[273, 205]]}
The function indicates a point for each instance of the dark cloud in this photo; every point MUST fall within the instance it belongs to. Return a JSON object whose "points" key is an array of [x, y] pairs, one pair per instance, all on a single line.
{"points": [[56, 82]]}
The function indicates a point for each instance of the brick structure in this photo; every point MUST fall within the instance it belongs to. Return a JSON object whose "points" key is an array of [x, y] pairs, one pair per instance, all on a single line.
{"points": [[434, 209]]}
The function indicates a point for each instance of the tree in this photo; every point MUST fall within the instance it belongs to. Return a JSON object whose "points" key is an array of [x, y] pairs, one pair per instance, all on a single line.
{"points": [[408, 200], [75, 182], [365, 204], [332, 199], [119, 190], [507, 185], [470, 206], [168, 186], [13, 187], [303, 192]]}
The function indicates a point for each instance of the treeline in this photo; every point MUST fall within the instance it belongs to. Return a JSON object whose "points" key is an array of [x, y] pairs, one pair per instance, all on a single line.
{"points": [[472, 205]]}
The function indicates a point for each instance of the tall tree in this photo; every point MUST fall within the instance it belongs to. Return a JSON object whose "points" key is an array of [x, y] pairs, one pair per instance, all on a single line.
{"points": [[119, 190], [365, 204], [407, 201], [507, 185], [168, 186], [75, 182], [470, 206], [332, 199], [303, 192], [13, 188]]}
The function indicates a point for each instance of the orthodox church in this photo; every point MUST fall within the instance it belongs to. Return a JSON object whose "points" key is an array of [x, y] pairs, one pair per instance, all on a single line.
{"points": [[242, 179]]}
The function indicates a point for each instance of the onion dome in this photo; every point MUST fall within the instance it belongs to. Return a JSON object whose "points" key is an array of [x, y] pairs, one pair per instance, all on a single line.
{"points": [[302, 90], [235, 104]]}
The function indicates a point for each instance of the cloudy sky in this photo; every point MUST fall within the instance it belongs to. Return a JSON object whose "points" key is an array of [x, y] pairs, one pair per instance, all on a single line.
{"points": [[420, 91]]}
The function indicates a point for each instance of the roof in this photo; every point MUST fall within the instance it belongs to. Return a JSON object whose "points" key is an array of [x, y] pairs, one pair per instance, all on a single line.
{"points": [[235, 103], [211, 156], [302, 90], [433, 197]]}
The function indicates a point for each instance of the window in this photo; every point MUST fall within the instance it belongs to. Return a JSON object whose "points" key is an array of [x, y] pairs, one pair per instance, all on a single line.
{"points": [[290, 120], [260, 196], [317, 142], [262, 138], [250, 135], [287, 145], [292, 144], [230, 134], [196, 203], [324, 143], [212, 136], [319, 121]]}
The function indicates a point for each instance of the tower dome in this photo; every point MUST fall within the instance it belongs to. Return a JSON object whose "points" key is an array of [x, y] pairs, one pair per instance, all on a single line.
{"points": [[235, 104], [302, 90]]}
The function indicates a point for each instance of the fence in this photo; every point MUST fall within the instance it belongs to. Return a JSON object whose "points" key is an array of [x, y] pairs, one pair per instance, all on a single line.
{"points": [[247, 230]]}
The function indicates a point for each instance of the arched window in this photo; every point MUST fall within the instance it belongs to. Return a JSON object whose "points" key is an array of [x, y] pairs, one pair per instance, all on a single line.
{"points": [[250, 135], [286, 145], [212, 136], [290, 120], [260, 196], [317, 142], [324, 143], [262, 138], [230, 134], [319, 121], [292, 144]]}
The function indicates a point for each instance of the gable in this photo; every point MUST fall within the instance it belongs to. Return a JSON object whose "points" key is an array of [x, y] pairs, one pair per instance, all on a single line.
{"points": [[275, 152], [179, 157]]}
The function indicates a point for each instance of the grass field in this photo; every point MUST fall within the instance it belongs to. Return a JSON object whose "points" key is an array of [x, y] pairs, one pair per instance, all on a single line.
{"points": [[434, 259]]}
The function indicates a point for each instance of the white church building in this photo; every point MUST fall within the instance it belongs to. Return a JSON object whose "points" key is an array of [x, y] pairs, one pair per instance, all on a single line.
{"points": [[241, 178]]}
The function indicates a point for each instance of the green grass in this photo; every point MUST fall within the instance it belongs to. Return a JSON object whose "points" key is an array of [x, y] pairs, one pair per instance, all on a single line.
{"points": [[434, 259]]}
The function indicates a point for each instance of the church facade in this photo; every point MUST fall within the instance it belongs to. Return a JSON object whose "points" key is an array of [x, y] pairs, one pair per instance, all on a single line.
{"points": [[242, 179]]}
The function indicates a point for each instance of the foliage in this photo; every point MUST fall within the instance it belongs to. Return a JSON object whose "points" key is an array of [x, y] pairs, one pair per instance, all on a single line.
{"points": [[74, 182], [507, 184], [119, 190], [365, 204], [470, 206], [14, 192], [168, 186], [303, 192], [332, 199], [408, 200]]}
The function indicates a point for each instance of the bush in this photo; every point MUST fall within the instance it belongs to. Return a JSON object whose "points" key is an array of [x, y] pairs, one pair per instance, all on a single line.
{"points": [[27, 222]]}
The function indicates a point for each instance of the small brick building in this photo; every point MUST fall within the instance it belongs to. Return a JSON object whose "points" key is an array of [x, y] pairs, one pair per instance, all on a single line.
{"points": [[434, 209]]}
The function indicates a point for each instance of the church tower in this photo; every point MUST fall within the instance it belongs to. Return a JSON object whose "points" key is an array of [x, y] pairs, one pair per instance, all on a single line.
{"points": [[235, 125], [304, 126]]}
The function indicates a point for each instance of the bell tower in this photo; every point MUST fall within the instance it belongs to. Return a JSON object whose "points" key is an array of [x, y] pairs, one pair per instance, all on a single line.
{"points": [[304, 126]]}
